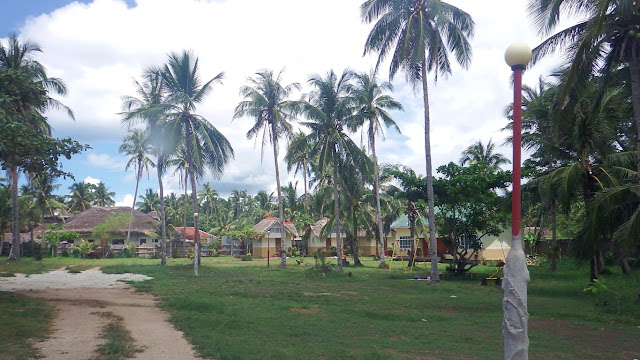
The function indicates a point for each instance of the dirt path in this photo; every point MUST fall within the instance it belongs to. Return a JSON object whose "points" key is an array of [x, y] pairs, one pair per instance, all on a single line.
{"points": [[76, 329]]}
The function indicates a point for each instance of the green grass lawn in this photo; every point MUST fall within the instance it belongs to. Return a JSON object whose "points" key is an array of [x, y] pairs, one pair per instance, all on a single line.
{"points": [[244, 310]]}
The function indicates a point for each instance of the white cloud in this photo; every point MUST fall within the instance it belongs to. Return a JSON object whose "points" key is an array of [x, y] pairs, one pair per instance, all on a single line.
{"points": [[90, 180], [127, 200], [98, 48]]}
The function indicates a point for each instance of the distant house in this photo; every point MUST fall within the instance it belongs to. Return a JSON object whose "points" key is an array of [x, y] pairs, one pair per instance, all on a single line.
{"points": [[143, 226], [366, 244], [190, 232], [272, 239]]}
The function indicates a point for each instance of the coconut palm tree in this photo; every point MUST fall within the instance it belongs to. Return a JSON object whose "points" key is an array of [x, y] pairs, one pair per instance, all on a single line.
{"points": [[205, 147], [603, 43], [478, 153], [80, 198], [19, 57], [208, 198], [298, 159], [150, 202], [373, 105], [421, 35], [102, 196], [266, 101], [328, 109], [150, 108], [136, 146]]}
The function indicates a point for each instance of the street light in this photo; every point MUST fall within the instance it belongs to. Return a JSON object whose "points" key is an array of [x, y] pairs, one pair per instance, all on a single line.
{"points": [[268, 245], [516, 274]]}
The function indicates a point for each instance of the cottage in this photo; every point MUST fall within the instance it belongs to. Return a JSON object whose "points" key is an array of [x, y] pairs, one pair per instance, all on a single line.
{"points": [[143, 227], [271, 240]]}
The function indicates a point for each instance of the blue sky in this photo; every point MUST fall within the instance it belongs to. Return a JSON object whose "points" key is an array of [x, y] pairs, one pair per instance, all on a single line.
{"points": [[98, 47]]}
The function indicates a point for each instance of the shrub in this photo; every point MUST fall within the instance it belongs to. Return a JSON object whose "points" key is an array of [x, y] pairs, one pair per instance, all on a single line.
{"points": [[65, 253], [247, 257]]}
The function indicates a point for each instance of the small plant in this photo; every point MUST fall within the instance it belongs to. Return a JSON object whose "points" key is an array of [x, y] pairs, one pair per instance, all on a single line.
{"points": [[246, 257], [84, 248], [596, 287], [65, 253]]}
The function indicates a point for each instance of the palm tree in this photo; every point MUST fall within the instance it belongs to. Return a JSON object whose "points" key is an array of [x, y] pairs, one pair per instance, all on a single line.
{"points": [[102, 196], [150, 108], [136, 146], [266, 100], [298, 156], [150, 202], [328, 110], [19, 57], [603, 43], [205, 147], [424, 33], [43, 186], [80, 198], [478, 153], [373, 104], [207, 198]]}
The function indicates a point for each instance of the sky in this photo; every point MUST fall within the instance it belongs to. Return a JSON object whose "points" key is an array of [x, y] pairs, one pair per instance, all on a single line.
{"points": [[99, 47]]}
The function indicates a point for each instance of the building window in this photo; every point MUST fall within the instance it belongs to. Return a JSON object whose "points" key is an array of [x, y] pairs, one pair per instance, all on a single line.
{"points": [[335, 231], [405, 244], [143, 241], [117, 242], [155, 241], [275, 230]]}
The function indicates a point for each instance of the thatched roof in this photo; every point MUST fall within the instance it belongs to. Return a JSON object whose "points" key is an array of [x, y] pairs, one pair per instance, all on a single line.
{"points": [[85, 221], [317, 227], [271, 222]]}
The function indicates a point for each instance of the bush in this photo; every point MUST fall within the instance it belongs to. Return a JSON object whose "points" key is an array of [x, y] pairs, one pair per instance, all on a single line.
{"points": [[65, 253], [247, 257]]}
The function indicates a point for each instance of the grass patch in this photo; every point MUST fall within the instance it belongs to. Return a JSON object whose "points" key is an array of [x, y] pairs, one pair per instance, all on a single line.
{"points": [[77, 269], [7, 274], [244, 310], [119, 342], [24, 321]]}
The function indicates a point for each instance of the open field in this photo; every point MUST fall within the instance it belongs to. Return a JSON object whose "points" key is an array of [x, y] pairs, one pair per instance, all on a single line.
{"points": [[244, 310]]}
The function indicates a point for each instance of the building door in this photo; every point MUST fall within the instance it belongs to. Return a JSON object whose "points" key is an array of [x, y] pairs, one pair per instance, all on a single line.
{"points": [[278, 244], [328, 243]]}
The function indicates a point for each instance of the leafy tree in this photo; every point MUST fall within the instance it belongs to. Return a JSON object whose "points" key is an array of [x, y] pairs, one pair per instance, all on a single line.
{"points": [[420, 34], [266, 100], [205, 147], [24, 97], [469, 209], [373, 103], [298, 159], [111, 226], [150, 202]]}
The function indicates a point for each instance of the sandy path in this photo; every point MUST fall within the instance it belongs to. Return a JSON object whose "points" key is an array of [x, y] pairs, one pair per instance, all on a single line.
{"points": [[76, 330]]}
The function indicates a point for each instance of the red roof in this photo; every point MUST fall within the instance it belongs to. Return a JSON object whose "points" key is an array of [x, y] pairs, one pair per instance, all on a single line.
{"points": [[190, 231]]}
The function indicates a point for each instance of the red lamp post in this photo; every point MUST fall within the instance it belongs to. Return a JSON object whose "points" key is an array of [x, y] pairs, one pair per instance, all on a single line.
{"points": [[516, 275]]}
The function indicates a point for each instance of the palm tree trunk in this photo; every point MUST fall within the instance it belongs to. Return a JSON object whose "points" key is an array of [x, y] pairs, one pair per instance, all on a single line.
{"points": [[376, 186], [184, 213], [135, 196], [15, 225], [634, 70], [336, 207], [433, 242], [283, 235], [306, 192], [196, 231], [354, 243], [555, 251], [163, 222]]}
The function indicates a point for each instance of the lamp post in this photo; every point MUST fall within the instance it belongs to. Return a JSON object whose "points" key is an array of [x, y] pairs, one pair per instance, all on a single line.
{"points": [[268, 245], [196, 238], [516, 275]]}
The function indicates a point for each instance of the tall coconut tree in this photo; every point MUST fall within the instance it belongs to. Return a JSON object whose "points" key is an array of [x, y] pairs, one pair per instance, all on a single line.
{"points": [[136, 146], [149, 108], [43, 186], [205, 147], [421, 35], [328, 110], [299, 160], [267, 102], [373, 104], [20, 57]]}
